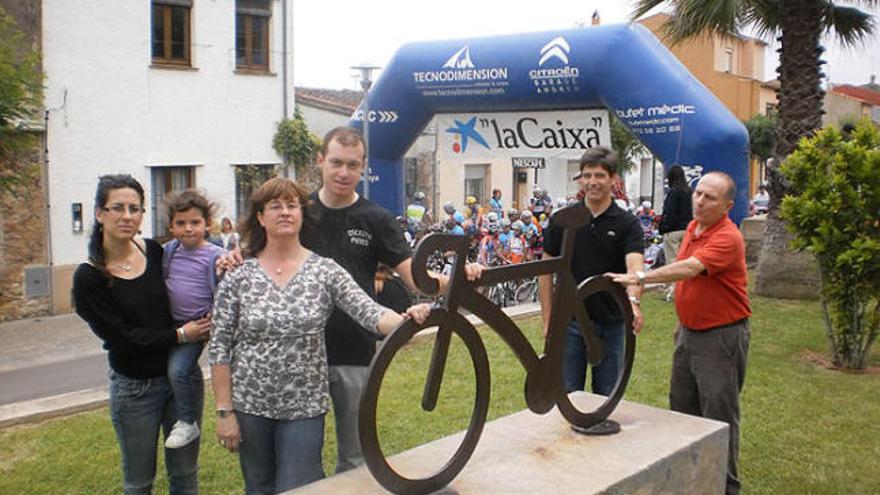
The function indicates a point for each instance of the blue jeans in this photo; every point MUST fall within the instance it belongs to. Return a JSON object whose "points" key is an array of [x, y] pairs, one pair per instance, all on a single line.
{"points": [[183, 363], [574, 358], [277, 455], [138, 409]]}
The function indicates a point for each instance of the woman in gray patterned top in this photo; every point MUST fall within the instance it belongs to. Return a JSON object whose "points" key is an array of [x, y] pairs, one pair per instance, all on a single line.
{"points": [[267, 353]]}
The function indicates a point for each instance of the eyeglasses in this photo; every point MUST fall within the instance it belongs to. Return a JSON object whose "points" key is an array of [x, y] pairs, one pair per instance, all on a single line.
{"points": [[278, 207], [119, 209]]}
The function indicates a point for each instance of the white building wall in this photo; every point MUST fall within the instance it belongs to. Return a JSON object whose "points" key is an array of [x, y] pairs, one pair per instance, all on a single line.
{"points": [[556, 177], [111, 112], [641, 182], [321, 121]]}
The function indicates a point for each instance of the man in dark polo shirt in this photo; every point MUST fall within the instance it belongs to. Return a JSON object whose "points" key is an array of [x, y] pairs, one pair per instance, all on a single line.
{"points": [[712, 340], [612, 241]]}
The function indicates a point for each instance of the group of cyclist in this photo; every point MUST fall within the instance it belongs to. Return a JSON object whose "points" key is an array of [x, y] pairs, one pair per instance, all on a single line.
{"points": [[500, 236], [497, 235]]}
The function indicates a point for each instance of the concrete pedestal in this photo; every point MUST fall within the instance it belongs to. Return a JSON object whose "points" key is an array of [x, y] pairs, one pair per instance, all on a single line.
{"points": [[658, 451]]}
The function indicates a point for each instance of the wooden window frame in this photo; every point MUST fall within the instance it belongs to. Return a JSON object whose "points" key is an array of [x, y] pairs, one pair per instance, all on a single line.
{"points": [[485, 177], [158, 206], [166, 58], [264, 171], [248, 26]]}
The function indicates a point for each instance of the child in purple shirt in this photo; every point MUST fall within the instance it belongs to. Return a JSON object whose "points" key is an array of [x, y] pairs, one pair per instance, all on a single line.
{"points": [[190, 279]]}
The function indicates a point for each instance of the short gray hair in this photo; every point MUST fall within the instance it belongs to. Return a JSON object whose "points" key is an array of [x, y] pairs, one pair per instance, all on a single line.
{"points": [[731, 185]]}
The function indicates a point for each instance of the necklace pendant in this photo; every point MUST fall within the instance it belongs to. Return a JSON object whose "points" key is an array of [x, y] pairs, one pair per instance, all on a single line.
{"points": [[278, 271]]}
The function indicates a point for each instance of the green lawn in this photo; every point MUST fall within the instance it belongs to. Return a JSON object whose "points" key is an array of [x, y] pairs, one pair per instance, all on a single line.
{"points": [[805, 429]]}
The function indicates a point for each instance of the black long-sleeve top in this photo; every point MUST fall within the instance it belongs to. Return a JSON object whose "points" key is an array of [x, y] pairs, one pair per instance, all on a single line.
{"points": [[132, 317], [677, 212]]}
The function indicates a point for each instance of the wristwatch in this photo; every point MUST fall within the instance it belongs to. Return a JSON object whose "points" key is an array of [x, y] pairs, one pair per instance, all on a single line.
{"points": [[222, 413], [640, 277], [635, 300]]}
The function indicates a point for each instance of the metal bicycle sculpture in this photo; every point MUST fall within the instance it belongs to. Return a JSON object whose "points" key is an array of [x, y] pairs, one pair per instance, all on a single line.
{"points": [[544, 386]]}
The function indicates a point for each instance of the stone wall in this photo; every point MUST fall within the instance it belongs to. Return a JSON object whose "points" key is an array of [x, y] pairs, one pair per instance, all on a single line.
{"points": [[22, 234], [752, 229]]}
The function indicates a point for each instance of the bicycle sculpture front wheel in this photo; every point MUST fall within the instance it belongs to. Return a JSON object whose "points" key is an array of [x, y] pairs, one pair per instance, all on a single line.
{"points": [[587, 419], [448, 323]]}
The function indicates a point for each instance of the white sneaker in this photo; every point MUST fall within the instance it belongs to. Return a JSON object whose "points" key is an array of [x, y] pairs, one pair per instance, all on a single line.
{"points": [[182, 434]]}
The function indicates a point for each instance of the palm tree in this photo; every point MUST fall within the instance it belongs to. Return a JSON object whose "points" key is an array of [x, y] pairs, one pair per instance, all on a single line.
{"points": [[799, 25]]}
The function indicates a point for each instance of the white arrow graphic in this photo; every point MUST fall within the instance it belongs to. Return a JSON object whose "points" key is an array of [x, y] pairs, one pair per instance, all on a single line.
{"points": [[558, 48], [380, 116], [388, 116]]}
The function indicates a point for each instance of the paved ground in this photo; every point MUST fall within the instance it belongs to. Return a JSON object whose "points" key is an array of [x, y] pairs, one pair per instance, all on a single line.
{"points": [[49, 366], [52, 366], [45, 340]]}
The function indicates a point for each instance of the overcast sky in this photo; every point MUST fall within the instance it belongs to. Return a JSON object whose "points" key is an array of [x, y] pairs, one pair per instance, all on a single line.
{"points": [[331, 36]]}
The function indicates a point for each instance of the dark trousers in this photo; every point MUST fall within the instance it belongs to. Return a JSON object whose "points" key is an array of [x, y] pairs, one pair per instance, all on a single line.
{"points": [[574, 357], [708, 372]]}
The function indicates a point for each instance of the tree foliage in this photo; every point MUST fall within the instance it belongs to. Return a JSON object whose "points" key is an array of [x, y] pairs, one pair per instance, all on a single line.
{"points": [[800, 25], [295, 144], [762, 136], [627, 146], [20, 79], [850, 25], [20, 97], [834, 211]]}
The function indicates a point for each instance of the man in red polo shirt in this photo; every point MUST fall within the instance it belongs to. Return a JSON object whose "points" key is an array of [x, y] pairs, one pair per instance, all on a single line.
{"points": [[712, 341]]}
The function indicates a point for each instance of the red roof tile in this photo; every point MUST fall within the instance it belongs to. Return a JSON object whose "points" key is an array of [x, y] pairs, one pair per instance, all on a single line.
{"points": [[863, 94], [343, 101]]}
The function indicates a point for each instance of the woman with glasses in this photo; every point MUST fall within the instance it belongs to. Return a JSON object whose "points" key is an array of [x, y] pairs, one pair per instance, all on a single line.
{"points": [[120, 293], [268, 354]]}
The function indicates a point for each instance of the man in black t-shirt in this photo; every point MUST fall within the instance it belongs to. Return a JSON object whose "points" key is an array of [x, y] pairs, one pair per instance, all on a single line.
{"points": [[612, 241], [357, 234]]}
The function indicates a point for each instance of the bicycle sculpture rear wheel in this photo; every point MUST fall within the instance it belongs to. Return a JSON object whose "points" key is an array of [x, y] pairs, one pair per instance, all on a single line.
{"points": [[587, 419], [374, 457]]}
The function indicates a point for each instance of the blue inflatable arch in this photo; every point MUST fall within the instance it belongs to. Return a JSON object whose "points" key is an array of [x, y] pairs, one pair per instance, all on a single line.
{"points": [[621, 67]]}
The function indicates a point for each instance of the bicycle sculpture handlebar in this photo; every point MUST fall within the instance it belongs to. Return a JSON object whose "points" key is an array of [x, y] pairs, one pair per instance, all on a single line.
{"points": [[544, 387]]}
